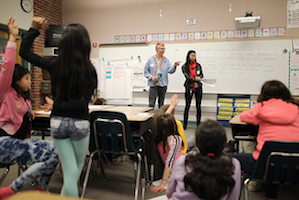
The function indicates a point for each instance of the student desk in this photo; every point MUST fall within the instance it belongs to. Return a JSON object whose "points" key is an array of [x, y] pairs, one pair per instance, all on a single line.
{"points": [[242, 131], [135, 115], [42, 122]]}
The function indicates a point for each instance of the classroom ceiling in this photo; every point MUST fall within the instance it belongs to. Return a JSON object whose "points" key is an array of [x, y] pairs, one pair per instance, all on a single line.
{"points": [[73, 5]]}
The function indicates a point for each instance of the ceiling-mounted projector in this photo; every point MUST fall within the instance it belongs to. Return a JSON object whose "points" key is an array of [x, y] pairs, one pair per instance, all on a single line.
{"points": [[248, 21]]}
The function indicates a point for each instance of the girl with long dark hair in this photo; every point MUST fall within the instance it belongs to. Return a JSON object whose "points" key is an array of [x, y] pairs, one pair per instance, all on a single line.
{"points": [[206, 172], [73, 80], [193, 74], [169, 144]]}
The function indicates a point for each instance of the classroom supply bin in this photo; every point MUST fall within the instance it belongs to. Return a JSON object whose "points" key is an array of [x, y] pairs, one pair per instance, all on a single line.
{"points": [[229, 106]]}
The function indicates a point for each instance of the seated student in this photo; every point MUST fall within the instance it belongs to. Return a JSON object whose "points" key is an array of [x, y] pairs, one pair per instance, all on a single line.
{"points": [[157, 161], [206, 172], [169, 145], [277, 115], [15, 124], [170, 108], [100, 101]]}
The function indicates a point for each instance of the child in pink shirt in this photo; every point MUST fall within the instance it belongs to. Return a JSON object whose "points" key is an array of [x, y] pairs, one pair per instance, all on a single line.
{"points": [[169, 144], [277, 116]]}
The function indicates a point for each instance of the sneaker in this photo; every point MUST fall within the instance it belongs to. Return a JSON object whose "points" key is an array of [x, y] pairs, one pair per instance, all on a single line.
{"points": [[6, 192], [254, 186]]}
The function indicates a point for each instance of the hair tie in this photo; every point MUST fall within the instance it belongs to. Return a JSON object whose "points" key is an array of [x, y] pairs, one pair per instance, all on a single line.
{"points": [[211, 155]]}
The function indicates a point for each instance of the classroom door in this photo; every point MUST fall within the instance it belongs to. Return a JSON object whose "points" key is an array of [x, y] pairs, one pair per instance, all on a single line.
{"points": [[3, 40]]}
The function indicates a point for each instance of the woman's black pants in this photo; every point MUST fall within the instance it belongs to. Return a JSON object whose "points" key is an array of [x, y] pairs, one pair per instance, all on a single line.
{"points": [[188, 97]]}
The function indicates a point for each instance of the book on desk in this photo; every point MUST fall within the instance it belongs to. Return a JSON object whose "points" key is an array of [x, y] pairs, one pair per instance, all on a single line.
{"points": [[244, 135]]}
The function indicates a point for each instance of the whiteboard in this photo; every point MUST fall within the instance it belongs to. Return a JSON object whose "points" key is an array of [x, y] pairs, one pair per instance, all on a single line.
{"points": [[240, 67]]}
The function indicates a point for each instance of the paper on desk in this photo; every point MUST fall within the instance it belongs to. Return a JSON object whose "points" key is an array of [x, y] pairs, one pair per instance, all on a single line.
{"points": [[98, 107], [209, 82], [143, 114], [42, 112]]}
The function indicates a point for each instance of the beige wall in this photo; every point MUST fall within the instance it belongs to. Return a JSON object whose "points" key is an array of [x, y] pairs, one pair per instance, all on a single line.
{"points": [[12, 8], [104, 24]]}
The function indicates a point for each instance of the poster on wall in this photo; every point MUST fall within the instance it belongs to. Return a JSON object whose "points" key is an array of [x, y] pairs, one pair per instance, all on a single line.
{"points": [[118, 81], [294, 72], [293, 14]]}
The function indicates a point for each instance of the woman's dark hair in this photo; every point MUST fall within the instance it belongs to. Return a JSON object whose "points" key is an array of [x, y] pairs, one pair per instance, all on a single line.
{"points": [[18, 74], [188, 60], [211, 176], [166, 126], [76, 76], [275, 89]]}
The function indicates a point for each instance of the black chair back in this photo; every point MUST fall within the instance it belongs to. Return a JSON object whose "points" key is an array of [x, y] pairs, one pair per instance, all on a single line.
{"points": [[112, 131], [278, 162]]}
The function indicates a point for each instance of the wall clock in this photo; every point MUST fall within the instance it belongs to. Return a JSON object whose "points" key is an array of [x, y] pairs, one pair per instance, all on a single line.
{"points": [[27, 5]]}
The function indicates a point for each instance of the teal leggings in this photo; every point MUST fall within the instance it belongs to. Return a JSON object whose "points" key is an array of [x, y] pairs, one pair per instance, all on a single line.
{"points": [[71, 138], [72, 155]]}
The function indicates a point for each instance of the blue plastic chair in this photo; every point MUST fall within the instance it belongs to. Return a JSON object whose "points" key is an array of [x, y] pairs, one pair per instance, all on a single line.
{"points": [[278, 163], [112, 134]]}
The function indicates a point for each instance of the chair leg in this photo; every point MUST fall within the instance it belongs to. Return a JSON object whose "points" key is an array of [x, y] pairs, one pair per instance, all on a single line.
{"points": [[152, 173], [87, 174], [146, 169], [60, 168], [138, 176], [102, 167], [143, 187], [4, 175], [24, 168], [106, 159], [135, 168], [246, 189]]}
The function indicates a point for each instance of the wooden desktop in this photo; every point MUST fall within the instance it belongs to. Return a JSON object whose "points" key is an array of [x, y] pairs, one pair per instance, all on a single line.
{"points": [[133, 113]]}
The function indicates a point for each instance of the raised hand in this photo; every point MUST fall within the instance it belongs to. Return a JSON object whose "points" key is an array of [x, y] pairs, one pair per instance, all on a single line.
{"points": [[48, 105], [13, 29], [38, 23], [177, 63], [174, 100]]}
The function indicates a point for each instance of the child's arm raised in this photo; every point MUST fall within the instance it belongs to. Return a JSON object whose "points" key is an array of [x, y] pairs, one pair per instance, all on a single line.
{"points": [[173, 103], [8, 66], [13, 29], [25, 50]]}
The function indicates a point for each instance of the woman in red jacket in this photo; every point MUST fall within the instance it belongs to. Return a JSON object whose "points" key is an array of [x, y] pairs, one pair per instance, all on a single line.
{"points": [[15, 123], [193, 74]]}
